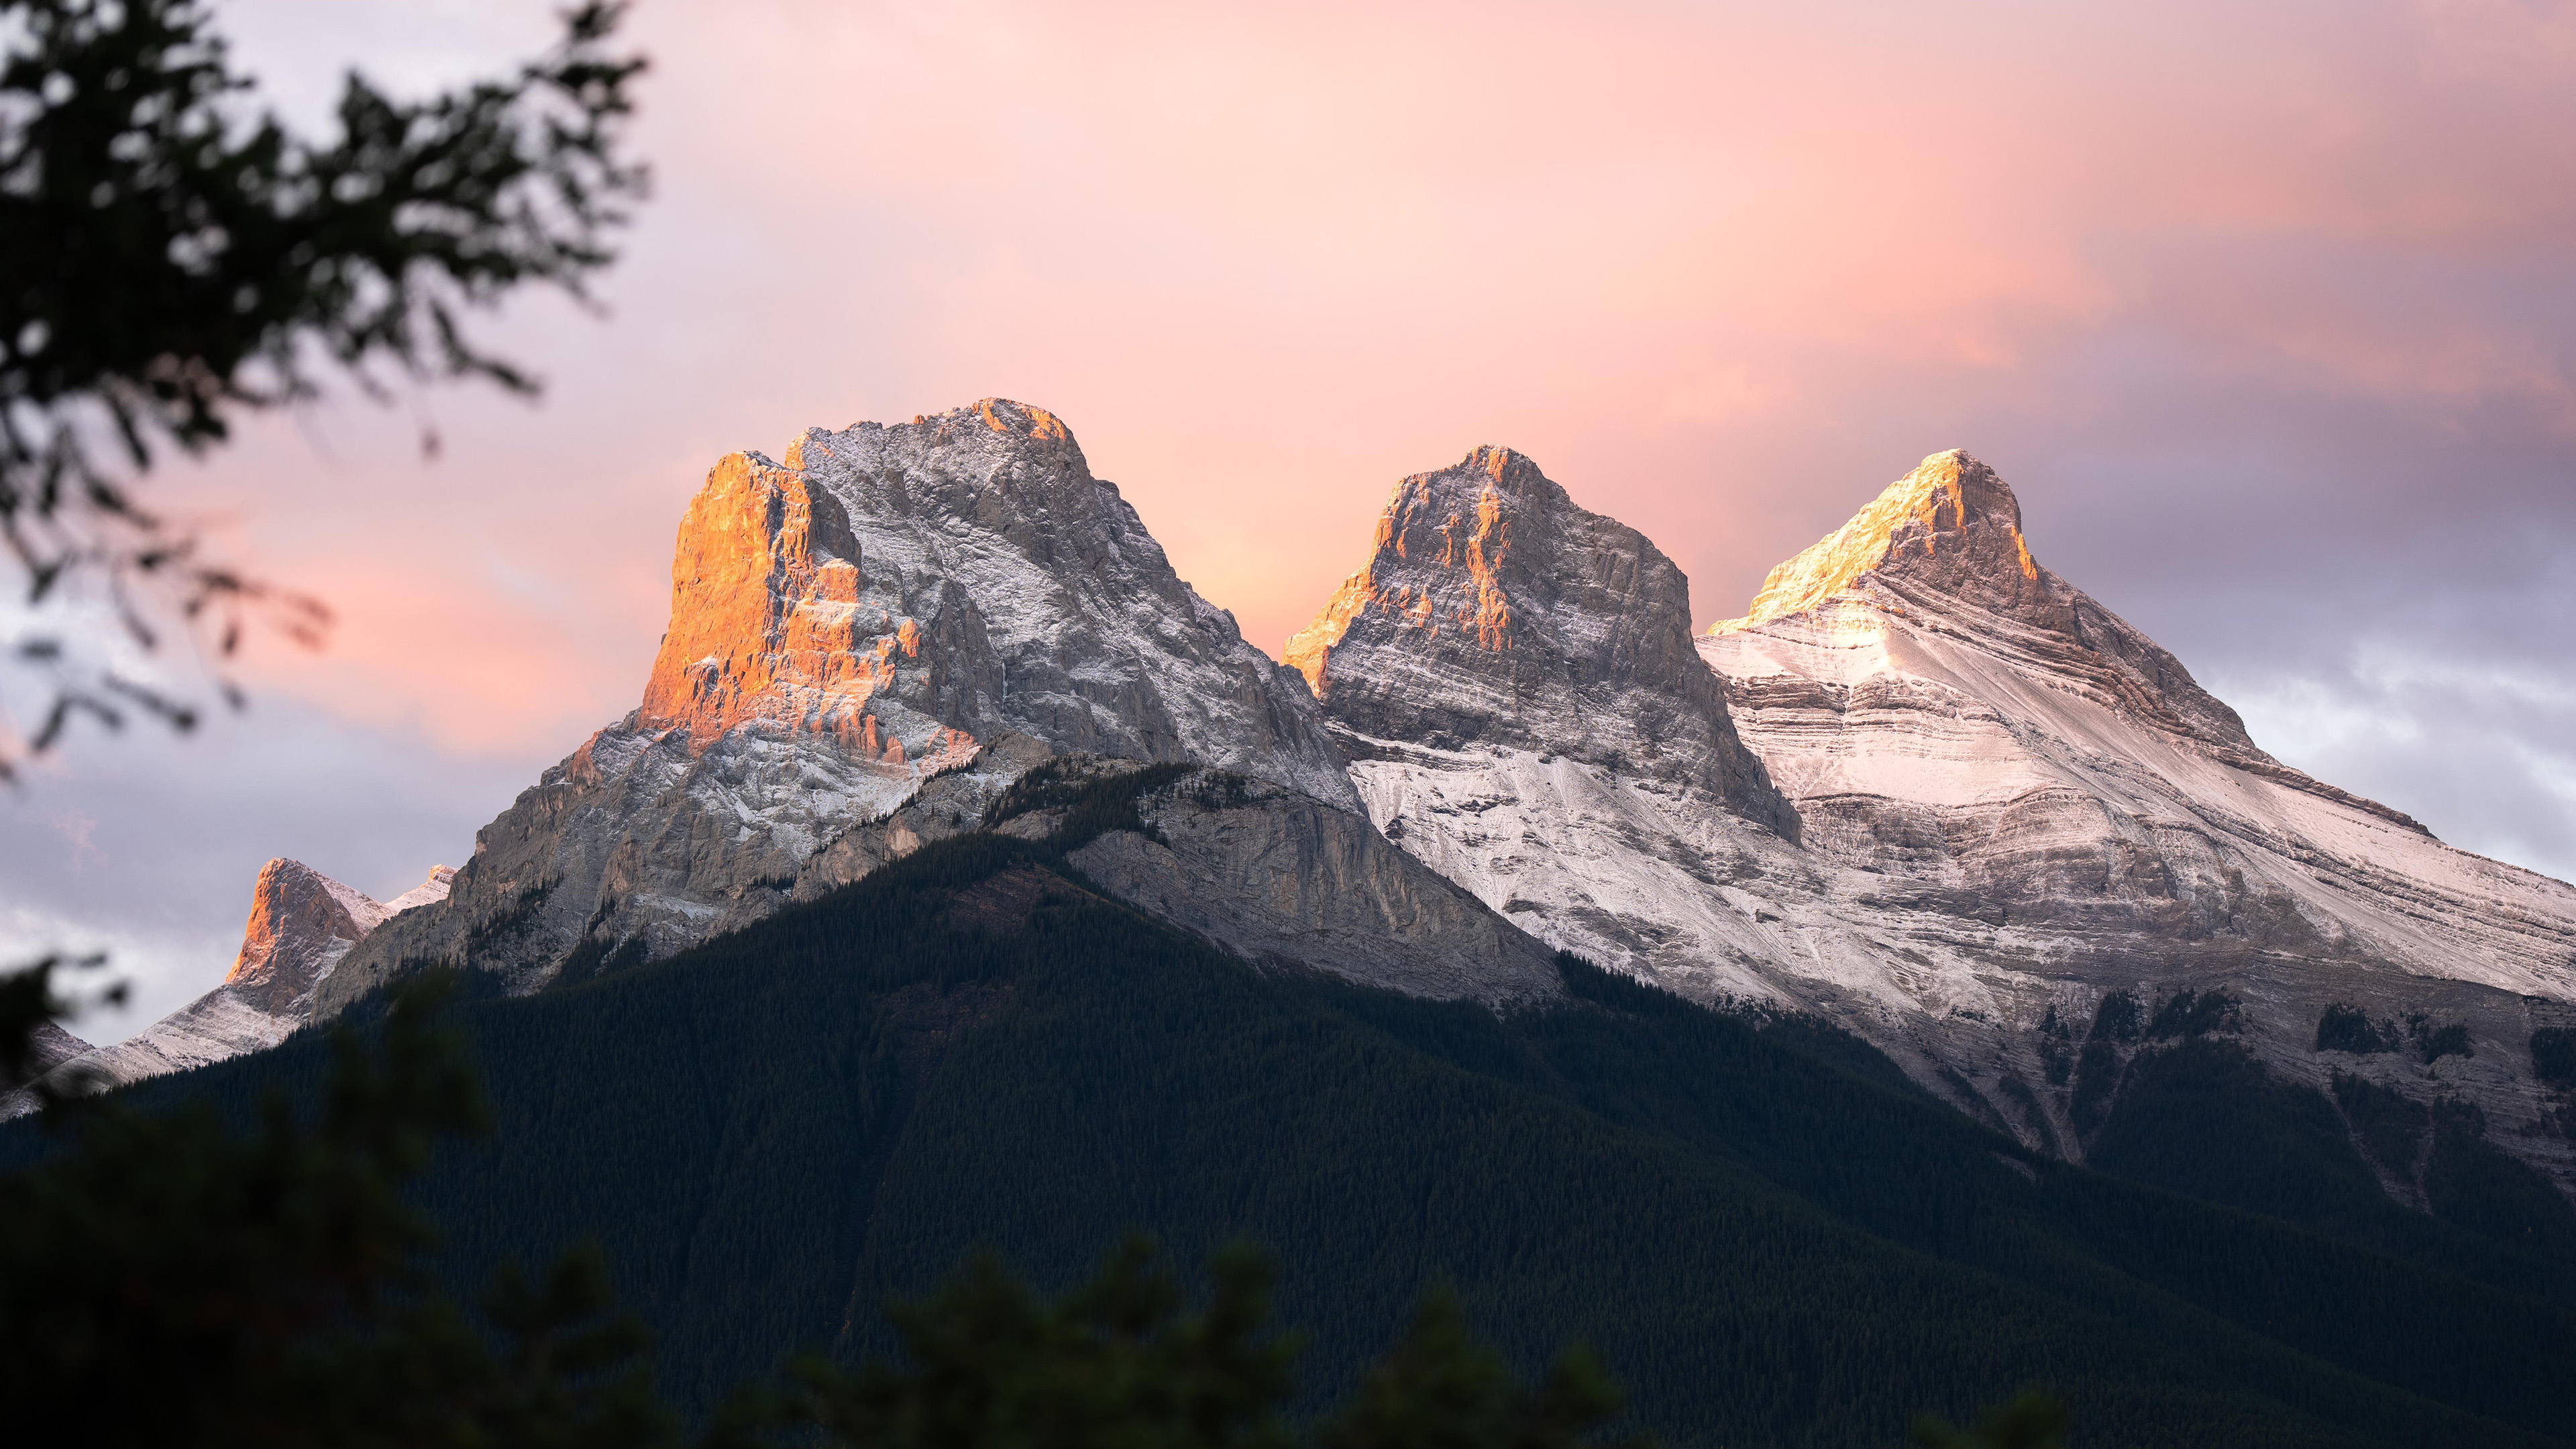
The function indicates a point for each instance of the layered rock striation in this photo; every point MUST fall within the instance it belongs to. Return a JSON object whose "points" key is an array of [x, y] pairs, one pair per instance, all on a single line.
{"points": [[1945, 710], [2011, 806], [1940, 554], [869, 639], [2043, 800]]}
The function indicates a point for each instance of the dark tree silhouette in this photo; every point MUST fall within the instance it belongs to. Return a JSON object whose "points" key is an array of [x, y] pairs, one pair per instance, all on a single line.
{"points": [[175, 1279], [2033, 1420], [171, 257]]}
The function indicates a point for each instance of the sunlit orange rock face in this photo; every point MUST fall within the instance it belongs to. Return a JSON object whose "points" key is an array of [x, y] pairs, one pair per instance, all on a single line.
{"points": [[1494, 610], [904, 591], [767, 622], [1455, 545], [1942, 548], [1951, 523], [763, 613], [301, 923], [870, 637]]}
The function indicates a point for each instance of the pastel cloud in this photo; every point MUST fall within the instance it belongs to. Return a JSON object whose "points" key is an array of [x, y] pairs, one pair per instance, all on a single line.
{"points": [[1721, 270]]}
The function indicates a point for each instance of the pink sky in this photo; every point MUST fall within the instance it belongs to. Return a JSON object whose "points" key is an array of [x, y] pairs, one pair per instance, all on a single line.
{"points": [[2268, 311]]}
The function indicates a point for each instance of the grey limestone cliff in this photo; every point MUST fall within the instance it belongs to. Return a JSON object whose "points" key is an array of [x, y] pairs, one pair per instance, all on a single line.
{"points": [[868, 640], [1494, 611]]}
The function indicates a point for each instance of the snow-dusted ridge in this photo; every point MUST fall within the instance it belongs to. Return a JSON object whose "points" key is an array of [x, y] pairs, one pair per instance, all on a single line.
{"points": [[2008, 803], [302, 925], [1924, 787]]}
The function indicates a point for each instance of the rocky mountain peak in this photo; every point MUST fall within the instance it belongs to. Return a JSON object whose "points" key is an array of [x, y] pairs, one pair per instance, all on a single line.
{"points": [[1940, 552], [301, 923], [1952, 525], [871, 637], [1443, 560], [908, 590], [1495, 610]]}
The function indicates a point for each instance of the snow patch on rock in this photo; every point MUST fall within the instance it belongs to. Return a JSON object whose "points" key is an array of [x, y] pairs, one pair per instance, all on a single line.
{"points": [[869, 639], [302, 925], [2008, 802]]}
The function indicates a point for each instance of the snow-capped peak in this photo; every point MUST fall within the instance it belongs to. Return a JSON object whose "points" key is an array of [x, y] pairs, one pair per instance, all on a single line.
{"points": [[1941, 551], [302, 925], [1950, 524]]}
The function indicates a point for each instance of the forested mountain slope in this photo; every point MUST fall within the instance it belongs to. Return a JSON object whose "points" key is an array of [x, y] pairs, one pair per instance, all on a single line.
{"points": [[1765, 1230]]}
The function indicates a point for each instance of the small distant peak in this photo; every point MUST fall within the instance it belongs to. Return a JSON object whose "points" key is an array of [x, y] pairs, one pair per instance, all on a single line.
{"points": [[53, 1046], [1950, 523], [299, 919], [427, 892], [282, 876]]}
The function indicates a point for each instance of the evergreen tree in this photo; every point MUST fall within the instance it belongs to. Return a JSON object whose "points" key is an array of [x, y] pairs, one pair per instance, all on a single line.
{"points": [[171, 257]]}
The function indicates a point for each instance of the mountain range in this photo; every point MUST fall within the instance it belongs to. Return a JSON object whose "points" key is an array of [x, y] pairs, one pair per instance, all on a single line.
{"points": [[1923, 789], [1914, 986]]}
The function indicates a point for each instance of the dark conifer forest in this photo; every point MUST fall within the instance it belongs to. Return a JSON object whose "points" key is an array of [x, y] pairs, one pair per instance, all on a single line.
{"points": [[1767, 1235]]}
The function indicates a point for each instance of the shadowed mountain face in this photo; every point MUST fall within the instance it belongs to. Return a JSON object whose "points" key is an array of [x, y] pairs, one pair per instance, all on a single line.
{"points": [[2011, 806], [1496, 612], [1769, 1238]]}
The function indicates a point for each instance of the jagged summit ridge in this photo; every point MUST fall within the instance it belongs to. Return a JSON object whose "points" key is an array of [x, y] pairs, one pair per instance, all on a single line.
{"points": [[1464, 542], [1495, 610], [2032, 796], [1924, 786], [907, 590], [870, 637], [302, 925], [1979, 549], [1942, 550], [2009, 802]]}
